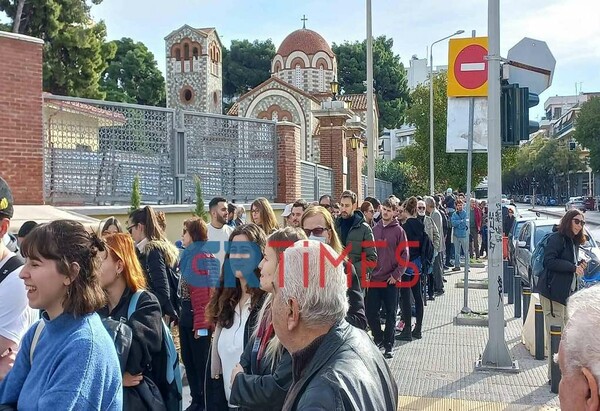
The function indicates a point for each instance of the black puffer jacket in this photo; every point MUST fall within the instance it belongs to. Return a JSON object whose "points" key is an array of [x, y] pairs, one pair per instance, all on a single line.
{"points": [[347, 372], [559, 260]]}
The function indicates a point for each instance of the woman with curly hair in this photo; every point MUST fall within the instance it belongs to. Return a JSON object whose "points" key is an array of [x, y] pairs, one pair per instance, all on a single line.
{"points": [[262, 214], [233, 310]]}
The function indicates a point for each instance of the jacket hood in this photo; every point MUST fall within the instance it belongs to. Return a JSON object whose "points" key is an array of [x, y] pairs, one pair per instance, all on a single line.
{"points": [[393, 223], [359, 218], [166, 248]]}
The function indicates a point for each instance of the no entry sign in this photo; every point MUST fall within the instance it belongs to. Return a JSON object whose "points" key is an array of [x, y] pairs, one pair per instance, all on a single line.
{"points": [[467, 71]]}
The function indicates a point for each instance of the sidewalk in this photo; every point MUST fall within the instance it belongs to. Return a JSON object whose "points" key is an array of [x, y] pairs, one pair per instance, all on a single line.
{"points": [[437, 372]]}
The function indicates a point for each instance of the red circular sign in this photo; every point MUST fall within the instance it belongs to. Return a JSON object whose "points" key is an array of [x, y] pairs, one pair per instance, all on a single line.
{"points": [[470, 67]]}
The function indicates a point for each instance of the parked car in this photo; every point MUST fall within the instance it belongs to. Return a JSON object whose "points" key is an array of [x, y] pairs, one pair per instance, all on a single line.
{"points": [[576, 203], [590, 203], [513, 238], [531, 234]]}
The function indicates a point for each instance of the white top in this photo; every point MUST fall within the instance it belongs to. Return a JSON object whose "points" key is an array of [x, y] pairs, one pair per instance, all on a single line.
{"points": [[15, 314], [222, 236], [231, 344]]}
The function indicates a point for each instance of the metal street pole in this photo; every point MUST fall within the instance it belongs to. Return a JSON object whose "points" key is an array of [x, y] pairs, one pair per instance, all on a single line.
{"points": [[371, 141], [466, 309], [496, 355], [431, 166]]}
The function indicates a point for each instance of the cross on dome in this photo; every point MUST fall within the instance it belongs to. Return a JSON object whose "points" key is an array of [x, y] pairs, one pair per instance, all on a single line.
{"points": [[303, 19]]}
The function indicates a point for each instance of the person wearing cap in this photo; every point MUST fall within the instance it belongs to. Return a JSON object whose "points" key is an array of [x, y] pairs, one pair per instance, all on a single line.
{"points": [[15, 314], [287, 211]]}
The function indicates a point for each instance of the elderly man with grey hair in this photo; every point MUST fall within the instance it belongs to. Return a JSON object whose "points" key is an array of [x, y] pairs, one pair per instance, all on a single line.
{"points": [[579, 353], [335, 366], [438, 268]]}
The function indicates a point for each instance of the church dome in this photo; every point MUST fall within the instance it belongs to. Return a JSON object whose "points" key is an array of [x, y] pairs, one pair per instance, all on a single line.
{"points": [[307, 41]]}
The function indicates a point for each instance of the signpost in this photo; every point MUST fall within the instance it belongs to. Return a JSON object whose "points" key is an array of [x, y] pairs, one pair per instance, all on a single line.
{"points": [[468, 67], [531, 64]]}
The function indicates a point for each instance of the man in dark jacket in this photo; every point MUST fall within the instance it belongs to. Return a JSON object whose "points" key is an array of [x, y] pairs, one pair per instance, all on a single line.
{"points": [[389, 270], [353, 230], [335, 365]]}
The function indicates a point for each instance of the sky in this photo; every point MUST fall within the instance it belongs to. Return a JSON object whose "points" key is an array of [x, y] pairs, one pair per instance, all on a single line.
{"points": [[571, 28]]}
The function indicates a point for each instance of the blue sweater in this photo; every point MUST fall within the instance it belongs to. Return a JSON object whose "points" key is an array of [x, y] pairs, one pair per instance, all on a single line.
{"points": [[75, 367]]}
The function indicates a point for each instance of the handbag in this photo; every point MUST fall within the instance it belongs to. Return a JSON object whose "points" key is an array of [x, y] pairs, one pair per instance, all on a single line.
{"points": [[122, 336]]}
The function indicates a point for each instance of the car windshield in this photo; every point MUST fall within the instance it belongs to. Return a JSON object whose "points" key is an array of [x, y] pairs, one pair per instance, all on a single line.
{"points": [[517, 229], [540, 232]]}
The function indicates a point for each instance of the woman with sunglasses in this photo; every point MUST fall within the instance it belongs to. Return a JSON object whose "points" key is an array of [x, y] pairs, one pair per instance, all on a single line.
{"points": [[561, 269], [159, 259], [121, 276], [264, 374], [318, 225], [262, 214], [367, 209], [67, 361]]}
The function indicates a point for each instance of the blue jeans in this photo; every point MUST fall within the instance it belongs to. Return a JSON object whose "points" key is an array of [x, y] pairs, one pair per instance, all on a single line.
{"points": [[460, 243]]}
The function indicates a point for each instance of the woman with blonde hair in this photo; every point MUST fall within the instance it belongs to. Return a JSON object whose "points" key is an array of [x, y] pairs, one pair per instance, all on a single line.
{"points": [[121, 276], [264, 374], [317, 224], [262, 214]]}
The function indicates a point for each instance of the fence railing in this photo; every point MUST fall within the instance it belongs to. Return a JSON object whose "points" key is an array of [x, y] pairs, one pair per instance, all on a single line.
{"points": [[94, 149], [315, 180]]}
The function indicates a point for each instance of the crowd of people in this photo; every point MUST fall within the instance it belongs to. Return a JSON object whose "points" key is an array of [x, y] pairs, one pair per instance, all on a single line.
{"points": [[292, 320]]}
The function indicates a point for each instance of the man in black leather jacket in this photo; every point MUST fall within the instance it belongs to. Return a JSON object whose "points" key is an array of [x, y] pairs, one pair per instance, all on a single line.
{"points": [[335, 366]]}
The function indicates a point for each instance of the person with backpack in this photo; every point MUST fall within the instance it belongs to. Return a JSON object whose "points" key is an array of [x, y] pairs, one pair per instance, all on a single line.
{"points": [[558, 278], [67, 360], [121, 276], [159, 260], [415, 231], [15, 315]]}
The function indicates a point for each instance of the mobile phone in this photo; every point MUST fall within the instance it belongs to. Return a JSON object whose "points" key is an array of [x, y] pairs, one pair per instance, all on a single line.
{"points": [[202, 333]]}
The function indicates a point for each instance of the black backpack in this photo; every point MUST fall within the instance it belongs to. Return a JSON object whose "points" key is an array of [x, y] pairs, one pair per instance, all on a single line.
{"points": [[11, 265]]}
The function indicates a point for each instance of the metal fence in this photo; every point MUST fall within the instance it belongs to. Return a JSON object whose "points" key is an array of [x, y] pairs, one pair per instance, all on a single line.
{"points": [[315, 180], [94, 149], [383, 189]]}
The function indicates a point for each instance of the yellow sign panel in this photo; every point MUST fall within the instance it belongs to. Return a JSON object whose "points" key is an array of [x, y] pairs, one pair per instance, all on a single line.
{"points": [[468, 67]]}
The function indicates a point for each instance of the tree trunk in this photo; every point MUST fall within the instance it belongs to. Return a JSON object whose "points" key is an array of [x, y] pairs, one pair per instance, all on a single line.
{"points": [[17, 21]]}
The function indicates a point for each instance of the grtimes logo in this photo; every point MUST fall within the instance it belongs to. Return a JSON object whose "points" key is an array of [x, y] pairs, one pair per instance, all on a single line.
{"points": [[200, 268]]}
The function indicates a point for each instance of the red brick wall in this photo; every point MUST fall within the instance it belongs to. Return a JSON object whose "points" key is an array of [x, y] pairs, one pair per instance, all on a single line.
{"points": [[288, 162], [332, 146], [21, 133]]}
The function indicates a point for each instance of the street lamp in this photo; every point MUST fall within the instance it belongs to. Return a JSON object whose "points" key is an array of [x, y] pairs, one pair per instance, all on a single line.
{"points": [[334, 85], [354, 140], [431, 170]]}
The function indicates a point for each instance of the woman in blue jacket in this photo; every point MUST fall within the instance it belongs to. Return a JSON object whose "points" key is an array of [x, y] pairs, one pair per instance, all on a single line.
{"points": [[67, 361]]}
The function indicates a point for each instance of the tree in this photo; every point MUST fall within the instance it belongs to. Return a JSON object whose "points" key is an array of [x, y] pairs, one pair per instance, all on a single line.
{"points": [[587, 131], [132, 75], [135, 193], [389, 76], [199, 211], [245, 65], [404, 177], [75, 51], [450, 168]]}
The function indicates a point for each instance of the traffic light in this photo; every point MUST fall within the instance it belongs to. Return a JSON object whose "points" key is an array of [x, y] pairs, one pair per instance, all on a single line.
{"points": [[515, 103]]}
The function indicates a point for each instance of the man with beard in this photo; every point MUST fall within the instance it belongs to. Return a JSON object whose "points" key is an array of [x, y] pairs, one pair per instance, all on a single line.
{"points": [[354, 232], [218, 230]]}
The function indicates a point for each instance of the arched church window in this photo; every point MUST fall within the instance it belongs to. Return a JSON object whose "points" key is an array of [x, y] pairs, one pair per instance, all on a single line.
{"points": [[321, 78], [186, 51], [178, 54], [195, 52], [298, 76]]}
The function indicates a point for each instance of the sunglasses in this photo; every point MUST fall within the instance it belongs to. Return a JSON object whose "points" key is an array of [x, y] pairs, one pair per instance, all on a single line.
{"points": [[579, 222], [318, 231], [255, 211], [129, 228], [420, 208], [327, 206]]}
